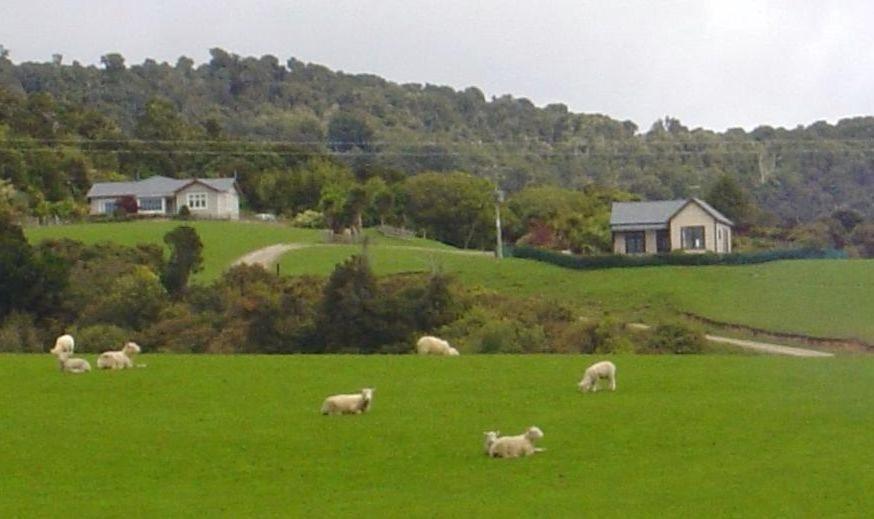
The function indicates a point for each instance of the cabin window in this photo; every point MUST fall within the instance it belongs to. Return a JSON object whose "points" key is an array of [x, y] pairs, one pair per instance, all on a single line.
{"points": [[692, 237], [196, 200], [635, 243], [151, 204], [109, 206]]}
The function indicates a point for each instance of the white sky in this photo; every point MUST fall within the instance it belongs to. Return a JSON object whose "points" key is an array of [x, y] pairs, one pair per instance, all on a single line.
{"points": [[715, 64]]}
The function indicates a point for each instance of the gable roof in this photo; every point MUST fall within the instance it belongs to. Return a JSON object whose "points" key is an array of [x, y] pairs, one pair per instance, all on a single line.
{"points": [[655, 215], [156, 186]]}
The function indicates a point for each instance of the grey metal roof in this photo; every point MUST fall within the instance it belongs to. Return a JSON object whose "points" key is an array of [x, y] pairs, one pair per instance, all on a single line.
{"points": [[154, 186], [634, 215]]}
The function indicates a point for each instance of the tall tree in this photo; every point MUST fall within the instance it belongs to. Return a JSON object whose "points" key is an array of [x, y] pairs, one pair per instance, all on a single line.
{"points": [[186, 258]]}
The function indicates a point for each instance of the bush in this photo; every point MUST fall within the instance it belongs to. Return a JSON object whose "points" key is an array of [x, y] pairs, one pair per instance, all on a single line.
{"points": [[184, 213], [100, 338], [675, 338], [309, 219], [19, 333], [674, 258]]}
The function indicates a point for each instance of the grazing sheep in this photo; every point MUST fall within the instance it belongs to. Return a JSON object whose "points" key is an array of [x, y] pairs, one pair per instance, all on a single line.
{"points": [[118, 359], [595, 372], [348, 404], [71, 365], [490, 437], [430, 345], [64, 343], [515, 446]]}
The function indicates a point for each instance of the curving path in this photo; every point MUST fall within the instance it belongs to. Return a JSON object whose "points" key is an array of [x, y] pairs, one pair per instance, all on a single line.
{"points": [[267, 256], [764, 347]]}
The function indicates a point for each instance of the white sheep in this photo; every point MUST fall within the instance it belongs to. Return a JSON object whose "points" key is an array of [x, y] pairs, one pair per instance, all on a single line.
{"points": [[597, 371], [64, 343], [430, 345], [71, 365], [356, 403], [118, 359], [489, 439], [515, 446]]}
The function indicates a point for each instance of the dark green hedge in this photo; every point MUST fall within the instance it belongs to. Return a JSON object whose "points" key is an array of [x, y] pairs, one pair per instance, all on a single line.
{"points": [[619, 261]]}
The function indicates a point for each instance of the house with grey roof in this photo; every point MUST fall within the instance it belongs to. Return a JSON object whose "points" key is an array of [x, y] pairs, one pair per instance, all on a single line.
{"points": [[204, 197], [690, 225]]}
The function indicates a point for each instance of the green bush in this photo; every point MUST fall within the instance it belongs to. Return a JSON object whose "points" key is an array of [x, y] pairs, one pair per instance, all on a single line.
{"points": [[309, 219], [675, 258], [184, 213], [675, 338], [19, 333], [101, 337]]}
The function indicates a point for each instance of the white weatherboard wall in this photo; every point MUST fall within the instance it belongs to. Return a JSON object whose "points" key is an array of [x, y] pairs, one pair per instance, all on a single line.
{"points": [[690, 216]]}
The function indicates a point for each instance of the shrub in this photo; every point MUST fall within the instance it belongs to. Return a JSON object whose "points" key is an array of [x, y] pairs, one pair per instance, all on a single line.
{"points": [[309, 219], [675, 338], [674, 258], [184, 213], [19, 333], [101, 337]]}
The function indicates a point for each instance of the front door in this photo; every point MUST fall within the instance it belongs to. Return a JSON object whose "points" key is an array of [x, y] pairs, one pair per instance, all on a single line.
{"points": [[663, 241]]}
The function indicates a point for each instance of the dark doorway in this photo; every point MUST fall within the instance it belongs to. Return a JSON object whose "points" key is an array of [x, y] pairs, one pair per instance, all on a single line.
{"points": [[663, 241]]}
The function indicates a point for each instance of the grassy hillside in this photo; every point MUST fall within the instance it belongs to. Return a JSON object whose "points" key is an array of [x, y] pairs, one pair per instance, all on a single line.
{"points": [[223, 241], [682, 436], [827, 298]]}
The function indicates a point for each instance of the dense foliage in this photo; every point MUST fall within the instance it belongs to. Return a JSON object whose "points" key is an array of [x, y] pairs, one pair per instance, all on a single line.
{"points": [[276, 124]]}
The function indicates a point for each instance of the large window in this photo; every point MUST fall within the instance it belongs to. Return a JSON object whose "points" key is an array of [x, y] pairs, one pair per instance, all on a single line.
{"points": [[151, 204], [108, 206], [635, 242], [197, 200], [692, 237]]}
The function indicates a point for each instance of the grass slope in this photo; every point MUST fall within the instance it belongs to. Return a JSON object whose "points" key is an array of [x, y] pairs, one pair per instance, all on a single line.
{"points": [[223, 241], [241, 436], [824, 298]]}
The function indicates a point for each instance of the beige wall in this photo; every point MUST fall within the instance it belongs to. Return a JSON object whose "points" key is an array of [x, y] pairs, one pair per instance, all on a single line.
{"points": [[618, 243], [723, 238], [689, 216]]}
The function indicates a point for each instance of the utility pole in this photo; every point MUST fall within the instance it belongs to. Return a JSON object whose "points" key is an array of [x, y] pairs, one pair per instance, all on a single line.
{"points": [[499, 199]]}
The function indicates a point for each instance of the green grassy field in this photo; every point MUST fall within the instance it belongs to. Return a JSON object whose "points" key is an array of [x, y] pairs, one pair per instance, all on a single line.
{"points": [[824, 298], [241, 437], [223, 241]]}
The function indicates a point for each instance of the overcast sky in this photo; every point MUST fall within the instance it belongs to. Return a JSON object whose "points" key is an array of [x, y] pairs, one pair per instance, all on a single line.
{"points": [[714, 64]]}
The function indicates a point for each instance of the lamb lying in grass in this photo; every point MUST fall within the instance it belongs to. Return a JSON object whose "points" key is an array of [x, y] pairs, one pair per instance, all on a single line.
{"points": [[118, 359], [515, 446], [430, 345], [596, 372], [490, 437], [348, 404]]}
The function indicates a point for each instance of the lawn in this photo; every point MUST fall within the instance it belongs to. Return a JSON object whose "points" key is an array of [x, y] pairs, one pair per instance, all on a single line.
{"points": [[241, 436], [830, 298]]}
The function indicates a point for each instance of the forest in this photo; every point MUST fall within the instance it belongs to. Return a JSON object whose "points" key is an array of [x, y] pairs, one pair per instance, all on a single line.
{"points": [[63, 126]]}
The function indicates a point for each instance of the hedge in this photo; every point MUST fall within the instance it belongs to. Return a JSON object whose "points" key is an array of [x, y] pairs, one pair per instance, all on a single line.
{"points": [[620, 261]]}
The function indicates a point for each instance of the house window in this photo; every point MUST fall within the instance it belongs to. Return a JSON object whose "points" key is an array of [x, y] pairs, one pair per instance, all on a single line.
{"points": [[692, 237], [635, 243], [151, 204], [109, 206], [196, 200]]}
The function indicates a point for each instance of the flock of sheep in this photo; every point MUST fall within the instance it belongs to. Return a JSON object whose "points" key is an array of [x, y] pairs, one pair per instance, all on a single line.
{"points": [[121, 359], [496, 446]]}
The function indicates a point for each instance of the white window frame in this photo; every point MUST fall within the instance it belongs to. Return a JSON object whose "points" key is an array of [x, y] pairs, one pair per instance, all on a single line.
{"points": [[108, 206], [150, 211], [193, 201]]}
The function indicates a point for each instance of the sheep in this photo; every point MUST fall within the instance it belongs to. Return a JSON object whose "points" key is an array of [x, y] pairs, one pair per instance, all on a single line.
{"points": [[515, 446], [118, 359], [64, 343], [356, 403], [595, 372], [490, 437], [71, 365], [430, 345]]}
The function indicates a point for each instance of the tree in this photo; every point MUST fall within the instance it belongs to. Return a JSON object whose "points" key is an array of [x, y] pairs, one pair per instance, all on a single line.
{"points": [[456, 207], [729, 198], [185, 258], [347, 317], [127, 205], [347, 131], [112, 62], [863, 239]]}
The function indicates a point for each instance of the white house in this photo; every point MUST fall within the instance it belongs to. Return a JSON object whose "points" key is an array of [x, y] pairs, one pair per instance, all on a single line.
{"points": [[204, 197], [690, 225]]}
